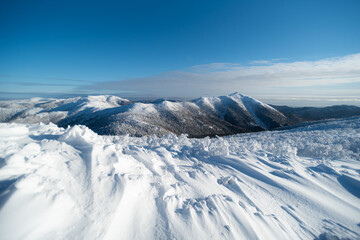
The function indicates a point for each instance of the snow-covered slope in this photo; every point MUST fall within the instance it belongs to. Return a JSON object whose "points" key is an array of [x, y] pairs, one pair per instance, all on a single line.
{"points": [[44, 110], [244, 110], [113, 116], [302, 183]]}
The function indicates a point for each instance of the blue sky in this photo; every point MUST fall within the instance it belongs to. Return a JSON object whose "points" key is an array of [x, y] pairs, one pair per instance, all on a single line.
{"points": [[182, 49]]}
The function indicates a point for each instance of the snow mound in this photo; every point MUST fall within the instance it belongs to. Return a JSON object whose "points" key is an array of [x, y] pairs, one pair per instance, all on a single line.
{"points": [[301, 183]]}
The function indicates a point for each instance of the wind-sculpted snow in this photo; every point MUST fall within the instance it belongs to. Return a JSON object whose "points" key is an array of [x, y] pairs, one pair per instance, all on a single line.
{"points": [[301, 183]]}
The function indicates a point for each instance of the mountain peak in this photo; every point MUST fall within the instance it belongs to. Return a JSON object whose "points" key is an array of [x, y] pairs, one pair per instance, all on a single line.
{"points": [[236, 94]]}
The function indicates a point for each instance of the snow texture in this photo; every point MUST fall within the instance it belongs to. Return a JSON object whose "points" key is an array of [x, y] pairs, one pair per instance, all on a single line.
{"points": [[301, 183]]}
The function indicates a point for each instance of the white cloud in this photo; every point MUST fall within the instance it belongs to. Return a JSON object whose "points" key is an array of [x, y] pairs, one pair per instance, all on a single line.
{"points": [[264, 78], [261, 62]]}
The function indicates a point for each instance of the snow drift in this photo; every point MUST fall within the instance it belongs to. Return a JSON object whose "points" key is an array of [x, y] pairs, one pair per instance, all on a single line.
{"points": [[71, 183]]}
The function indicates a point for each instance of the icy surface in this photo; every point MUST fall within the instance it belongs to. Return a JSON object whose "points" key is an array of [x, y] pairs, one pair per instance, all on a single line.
{"points": [[301, 183]]}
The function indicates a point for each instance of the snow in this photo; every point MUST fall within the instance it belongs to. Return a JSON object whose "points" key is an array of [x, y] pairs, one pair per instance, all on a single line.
{"points": [[299, 183], [143, 108], [37, 110], [250, 104], [102, 102], [247, 104], [107, 114], [173, 106]]}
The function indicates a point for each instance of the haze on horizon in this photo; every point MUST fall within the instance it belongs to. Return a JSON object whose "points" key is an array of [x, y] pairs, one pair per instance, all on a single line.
{"points": [[281, 52]]}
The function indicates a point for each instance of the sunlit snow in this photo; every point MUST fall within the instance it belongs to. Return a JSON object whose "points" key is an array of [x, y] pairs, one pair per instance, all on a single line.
{"points": [[299, 183]]}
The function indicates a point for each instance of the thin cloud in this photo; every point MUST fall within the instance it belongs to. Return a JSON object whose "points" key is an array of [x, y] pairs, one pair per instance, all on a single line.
{"points": [[45, 84], [261, 62], [214, 67], [46, 78], [69, 80], [267, 62], [5, 76], [220, 78], [31, 84], [25, 95]]}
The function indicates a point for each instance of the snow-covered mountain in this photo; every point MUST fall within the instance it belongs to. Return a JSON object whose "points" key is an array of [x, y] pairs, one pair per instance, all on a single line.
{"points": [[302, 183], [112, 115], [44, 110]]}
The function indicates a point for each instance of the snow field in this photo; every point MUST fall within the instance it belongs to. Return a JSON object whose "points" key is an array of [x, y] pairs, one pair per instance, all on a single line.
{"points": [[74, 184]]}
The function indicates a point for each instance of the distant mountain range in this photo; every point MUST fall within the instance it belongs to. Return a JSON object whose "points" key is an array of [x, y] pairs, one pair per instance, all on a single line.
{"points": [[205, 116], [301, 114]]}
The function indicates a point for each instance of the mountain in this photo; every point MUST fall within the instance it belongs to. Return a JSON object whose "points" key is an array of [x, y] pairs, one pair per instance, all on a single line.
{"points": [[301, 114], [110, 115], [72, 183], [205, 116], [53, 110]]}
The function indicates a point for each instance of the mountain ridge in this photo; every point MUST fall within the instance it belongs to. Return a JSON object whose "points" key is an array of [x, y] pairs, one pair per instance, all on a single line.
{"points": [[112, 115]]}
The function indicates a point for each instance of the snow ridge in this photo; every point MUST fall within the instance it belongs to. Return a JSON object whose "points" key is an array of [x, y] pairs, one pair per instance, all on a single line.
{"points": [[71, 183]]}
